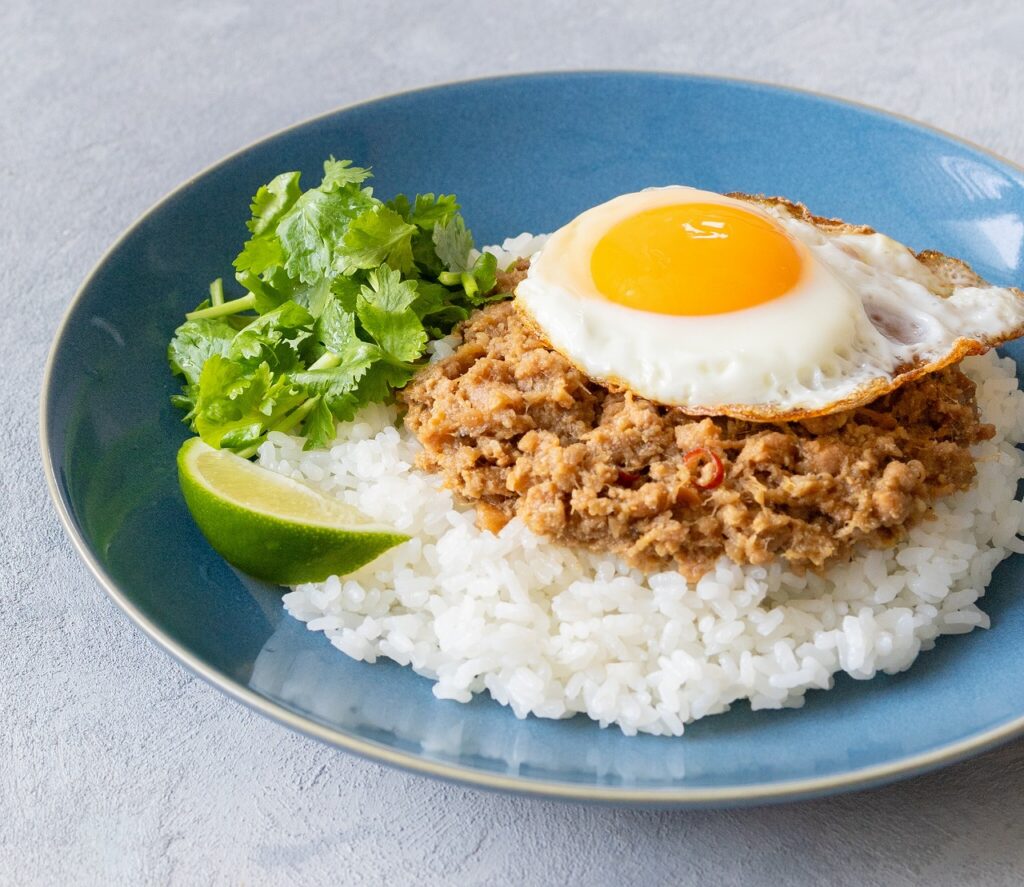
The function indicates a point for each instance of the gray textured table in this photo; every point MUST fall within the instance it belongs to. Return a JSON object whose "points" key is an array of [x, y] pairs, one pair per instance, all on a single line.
{"points": [[117, 767]]}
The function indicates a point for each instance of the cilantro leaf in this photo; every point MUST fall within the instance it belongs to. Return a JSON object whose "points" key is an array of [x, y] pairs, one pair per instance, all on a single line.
{"points": [[229, 398], [305, 235], [431, 298], [428, 210], [426, 213], [377, 385], [424, 254], [236, 402], [483, 277], [260, 254], [346, 289], [336, 327], [274, 337], [377, 235], [186, 401], [242, 436], [313, 297], [338, 173], [194, 342], [319, 428], [343, 407], [283, 395], [342, 378], [401, 205], [453, 243], [314, 227], [263, 250], [478, 282], [272, 201], [265, 296], [384, 308]]}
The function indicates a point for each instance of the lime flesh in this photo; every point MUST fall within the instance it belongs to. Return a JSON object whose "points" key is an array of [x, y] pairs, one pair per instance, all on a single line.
{"points": [[271, 526]]}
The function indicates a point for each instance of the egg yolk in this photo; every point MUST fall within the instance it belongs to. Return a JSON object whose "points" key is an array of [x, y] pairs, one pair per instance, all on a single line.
{"points": [[694, 259]]}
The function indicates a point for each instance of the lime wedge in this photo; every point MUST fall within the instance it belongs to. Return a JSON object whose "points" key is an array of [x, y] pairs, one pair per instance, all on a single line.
{"points": [[271, 526]]}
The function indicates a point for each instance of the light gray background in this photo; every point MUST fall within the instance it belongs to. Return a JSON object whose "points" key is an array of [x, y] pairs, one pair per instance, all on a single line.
{"points": [[117, 767]]}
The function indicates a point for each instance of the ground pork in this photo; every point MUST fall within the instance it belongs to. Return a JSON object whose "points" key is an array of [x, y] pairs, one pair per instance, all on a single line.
{"points": [[512, 426]]}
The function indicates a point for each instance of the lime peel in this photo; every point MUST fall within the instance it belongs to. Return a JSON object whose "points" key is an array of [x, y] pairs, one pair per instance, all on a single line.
{"points": [[273, 527]]}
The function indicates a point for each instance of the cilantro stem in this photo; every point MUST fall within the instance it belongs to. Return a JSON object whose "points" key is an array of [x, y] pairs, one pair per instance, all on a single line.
{"points": [[217, 292], [253, 284], [285, 423], [326, 361], [224, 309], [457, 278], [250, 450]]}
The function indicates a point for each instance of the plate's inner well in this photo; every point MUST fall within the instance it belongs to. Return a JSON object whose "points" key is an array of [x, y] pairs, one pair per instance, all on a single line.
{"points": [[579, 139]]}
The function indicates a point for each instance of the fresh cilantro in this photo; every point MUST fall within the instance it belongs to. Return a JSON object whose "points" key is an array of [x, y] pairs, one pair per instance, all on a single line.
{"points": [[229, 398], [260, 254], [340, 294], [431, 298], [378, 383], [272, 201], [484, 277], [274, 337], [338, 173], [312, 231], [265, 296], [313, 297], [426, 210], [478, 282], [346, 290], [336, 327], [384, 308], [344, 406], [342, 378], [319, 427], [194, 342], [377, 235], [237, 402], [453, 244], [436, 309]]}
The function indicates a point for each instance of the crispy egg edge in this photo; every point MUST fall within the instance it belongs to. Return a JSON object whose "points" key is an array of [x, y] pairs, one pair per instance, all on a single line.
{"points": [[952, 272]]}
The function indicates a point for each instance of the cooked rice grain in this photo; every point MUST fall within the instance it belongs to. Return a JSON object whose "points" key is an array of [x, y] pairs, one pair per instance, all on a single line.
{"points": [[553, 632]]}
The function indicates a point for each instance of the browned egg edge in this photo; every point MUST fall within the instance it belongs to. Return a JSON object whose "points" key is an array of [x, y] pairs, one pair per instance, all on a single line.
{"points": [[951, 271]]}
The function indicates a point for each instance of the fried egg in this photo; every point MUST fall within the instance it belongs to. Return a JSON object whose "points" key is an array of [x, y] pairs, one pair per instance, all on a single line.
{"points": [[751, 307]]}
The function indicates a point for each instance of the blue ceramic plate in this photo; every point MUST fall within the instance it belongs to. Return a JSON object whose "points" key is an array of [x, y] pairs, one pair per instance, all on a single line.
{"points": [[522, 153]]}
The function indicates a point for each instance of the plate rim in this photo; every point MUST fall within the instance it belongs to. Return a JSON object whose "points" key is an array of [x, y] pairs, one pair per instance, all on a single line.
{"points": [[675, 796]]}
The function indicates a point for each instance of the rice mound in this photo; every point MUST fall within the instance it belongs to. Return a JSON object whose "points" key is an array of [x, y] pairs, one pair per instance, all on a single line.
{"points": [[553, 632]]}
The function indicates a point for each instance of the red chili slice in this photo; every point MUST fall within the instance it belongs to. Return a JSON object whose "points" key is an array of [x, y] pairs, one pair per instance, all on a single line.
{"points": [[706, 454], [628, 479]]}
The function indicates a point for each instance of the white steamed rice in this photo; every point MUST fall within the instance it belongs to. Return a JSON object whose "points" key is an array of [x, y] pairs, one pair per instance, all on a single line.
{"points": [[552, 631]]}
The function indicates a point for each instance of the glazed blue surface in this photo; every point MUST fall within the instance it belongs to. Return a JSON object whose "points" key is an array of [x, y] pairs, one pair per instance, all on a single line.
{"points": [[522, 153]]}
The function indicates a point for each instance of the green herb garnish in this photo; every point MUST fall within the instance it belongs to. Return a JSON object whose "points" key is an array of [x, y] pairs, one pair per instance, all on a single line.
{"points": [[342, 292]]}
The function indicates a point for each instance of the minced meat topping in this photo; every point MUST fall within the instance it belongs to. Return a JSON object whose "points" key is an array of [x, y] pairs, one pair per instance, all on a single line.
{"points": [[515, 428]]}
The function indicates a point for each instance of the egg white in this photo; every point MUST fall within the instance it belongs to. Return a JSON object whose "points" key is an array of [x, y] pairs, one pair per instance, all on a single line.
{"points": [[863, 310]]}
